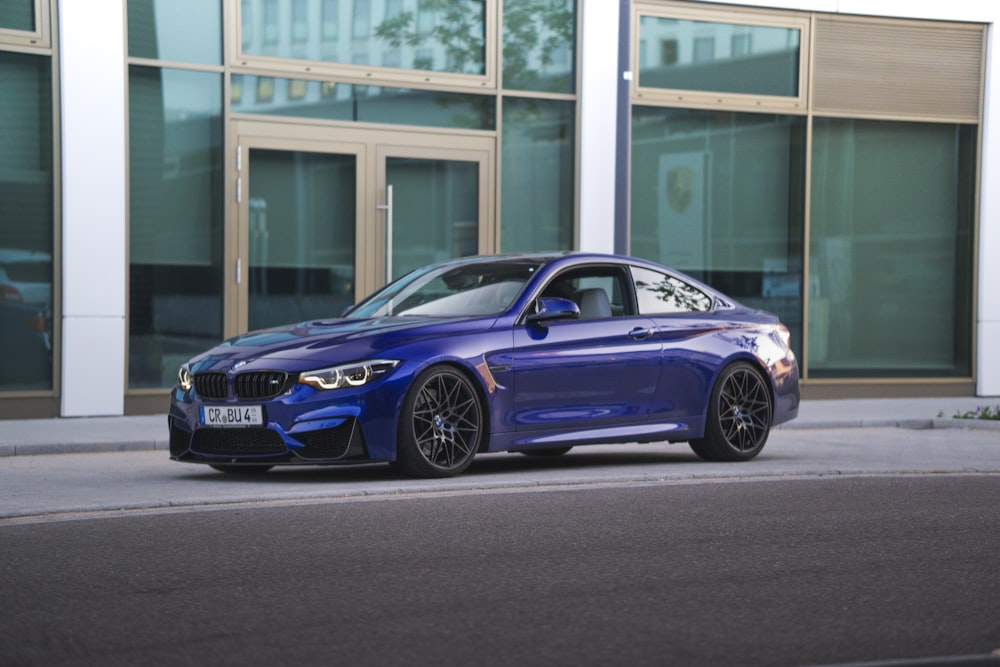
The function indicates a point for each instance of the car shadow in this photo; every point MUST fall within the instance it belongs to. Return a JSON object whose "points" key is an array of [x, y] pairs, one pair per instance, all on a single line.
{"points": [[494, 465]]}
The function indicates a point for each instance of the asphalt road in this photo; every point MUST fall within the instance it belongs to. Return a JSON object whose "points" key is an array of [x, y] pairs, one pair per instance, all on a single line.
{"points": [[783, 572], [834, 547]]}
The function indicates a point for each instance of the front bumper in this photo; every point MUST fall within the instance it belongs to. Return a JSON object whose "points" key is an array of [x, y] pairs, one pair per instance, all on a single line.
{"points": [[342, 442], [301, 426]]}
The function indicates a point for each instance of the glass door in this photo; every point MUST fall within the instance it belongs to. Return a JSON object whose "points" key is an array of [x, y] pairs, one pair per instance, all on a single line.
{"points": [[322, 222], [300, 208], [435, 205]]}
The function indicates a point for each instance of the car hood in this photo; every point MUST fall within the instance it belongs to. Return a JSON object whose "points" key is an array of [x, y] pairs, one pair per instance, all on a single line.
{"points": [[301, 346]]}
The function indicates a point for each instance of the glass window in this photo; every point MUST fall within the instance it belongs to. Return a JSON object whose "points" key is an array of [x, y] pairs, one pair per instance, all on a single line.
{"points": [[300, 21], [538, 45], [891, 251], [26, 222], [720, 196], [662, 294], [480, 288], [362, 19], [330, 20], [17, 15], [537, 195], [436, 35], [719, 57], [599, 292], [176, 220], [270, 31], [188, 31], [246, 25], [368, 104]]}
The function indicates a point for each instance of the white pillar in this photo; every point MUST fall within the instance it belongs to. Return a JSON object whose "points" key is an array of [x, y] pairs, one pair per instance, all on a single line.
{"points": [[988, 325], [598, 124], [94, 256]]}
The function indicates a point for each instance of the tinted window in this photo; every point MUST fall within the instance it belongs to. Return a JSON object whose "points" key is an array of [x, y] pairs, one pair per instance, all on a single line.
{"points": [[479, 288], [412, 34], [583, 286], [718, 57], [660, 293]]}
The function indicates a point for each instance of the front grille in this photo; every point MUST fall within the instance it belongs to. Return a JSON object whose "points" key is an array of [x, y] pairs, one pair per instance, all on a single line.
{"points": [[213, 386], [253, 385], [235, 441], [259, 385]]}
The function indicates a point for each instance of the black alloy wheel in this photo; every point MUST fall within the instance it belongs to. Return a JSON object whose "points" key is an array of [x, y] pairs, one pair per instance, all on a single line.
{"points": [[739, 416], [441, 425]]}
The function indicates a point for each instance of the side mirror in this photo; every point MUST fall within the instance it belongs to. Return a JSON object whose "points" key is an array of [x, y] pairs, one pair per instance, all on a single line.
{"points": [[551, 308]]}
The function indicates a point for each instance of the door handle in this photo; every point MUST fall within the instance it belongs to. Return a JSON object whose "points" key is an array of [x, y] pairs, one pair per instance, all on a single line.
{"points": [[387, 207], [640, 333]]}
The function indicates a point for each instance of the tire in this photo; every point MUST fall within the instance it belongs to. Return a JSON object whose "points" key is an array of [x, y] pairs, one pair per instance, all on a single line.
{"points": [[440, 426], [739, 416], [548, 451], [240, 470]]}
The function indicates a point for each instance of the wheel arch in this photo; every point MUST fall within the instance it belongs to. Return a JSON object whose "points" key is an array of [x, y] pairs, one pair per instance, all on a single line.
{"points": [[477, 384], [758, 365]]}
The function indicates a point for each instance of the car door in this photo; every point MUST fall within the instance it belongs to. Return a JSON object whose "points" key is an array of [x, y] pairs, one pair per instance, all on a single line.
{"points": [[684, 321], [593, 372]]}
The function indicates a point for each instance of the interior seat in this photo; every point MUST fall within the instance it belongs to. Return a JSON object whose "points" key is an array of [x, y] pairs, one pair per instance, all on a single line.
{"points": [[593, 302]]}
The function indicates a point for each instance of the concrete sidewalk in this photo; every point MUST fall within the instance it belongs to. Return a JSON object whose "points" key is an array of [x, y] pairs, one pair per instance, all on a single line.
{"points": [[21, 437]]}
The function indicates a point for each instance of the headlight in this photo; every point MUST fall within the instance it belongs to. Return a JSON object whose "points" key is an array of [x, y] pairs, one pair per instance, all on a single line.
{"points": [[184, 378], [348, 375]]}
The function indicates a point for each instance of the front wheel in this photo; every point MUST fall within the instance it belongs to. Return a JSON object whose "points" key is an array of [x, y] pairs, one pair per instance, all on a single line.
{"points": [[441, 424], [739, 416]]}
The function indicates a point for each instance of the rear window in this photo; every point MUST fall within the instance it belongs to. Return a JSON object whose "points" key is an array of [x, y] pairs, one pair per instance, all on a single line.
{"points": [[662, 294]]}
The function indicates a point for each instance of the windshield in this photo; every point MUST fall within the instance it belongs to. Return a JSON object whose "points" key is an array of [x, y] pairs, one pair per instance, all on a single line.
{"points": [[477, 288]]}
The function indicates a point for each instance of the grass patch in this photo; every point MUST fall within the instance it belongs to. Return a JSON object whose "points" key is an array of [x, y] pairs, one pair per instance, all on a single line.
{"points": [[981, 412]]}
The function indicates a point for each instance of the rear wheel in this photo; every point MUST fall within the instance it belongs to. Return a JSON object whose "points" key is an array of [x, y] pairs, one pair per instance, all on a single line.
{"points": [[441, 425], [739, 416], [240, 470]]}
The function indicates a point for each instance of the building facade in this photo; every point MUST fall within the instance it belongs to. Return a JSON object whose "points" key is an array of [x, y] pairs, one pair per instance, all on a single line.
{"points": [[175, 172]]}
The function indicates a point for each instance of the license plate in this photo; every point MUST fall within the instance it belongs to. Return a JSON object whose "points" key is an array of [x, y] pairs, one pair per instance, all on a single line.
{"points": [[232, 416]]}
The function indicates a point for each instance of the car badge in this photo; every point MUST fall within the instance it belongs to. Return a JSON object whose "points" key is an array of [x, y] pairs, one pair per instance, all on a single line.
{"points": [[238, 365]]}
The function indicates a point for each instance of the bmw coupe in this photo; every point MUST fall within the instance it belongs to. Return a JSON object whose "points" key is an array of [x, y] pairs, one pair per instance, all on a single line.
{"points": [[523, 353]]}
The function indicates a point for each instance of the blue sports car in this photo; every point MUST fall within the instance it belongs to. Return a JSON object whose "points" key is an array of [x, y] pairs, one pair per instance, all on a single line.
{"points": [[526, 353]]}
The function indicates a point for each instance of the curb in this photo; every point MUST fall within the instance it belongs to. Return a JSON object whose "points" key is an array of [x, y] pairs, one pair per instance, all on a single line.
{"points": [[911, 424], [97, 447]]}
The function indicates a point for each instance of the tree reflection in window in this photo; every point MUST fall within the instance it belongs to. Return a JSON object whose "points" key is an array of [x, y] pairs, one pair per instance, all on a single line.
{"points": [[660, 293]]}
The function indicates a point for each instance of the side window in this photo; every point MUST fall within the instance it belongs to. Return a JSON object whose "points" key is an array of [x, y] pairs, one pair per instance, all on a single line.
{"points": [[599, 292], [660, 294]]}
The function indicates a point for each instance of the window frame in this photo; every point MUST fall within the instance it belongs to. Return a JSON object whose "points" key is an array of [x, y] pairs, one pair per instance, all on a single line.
{"points": [[40, 37], [652, 96], [366, 73], [620, 273]]}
